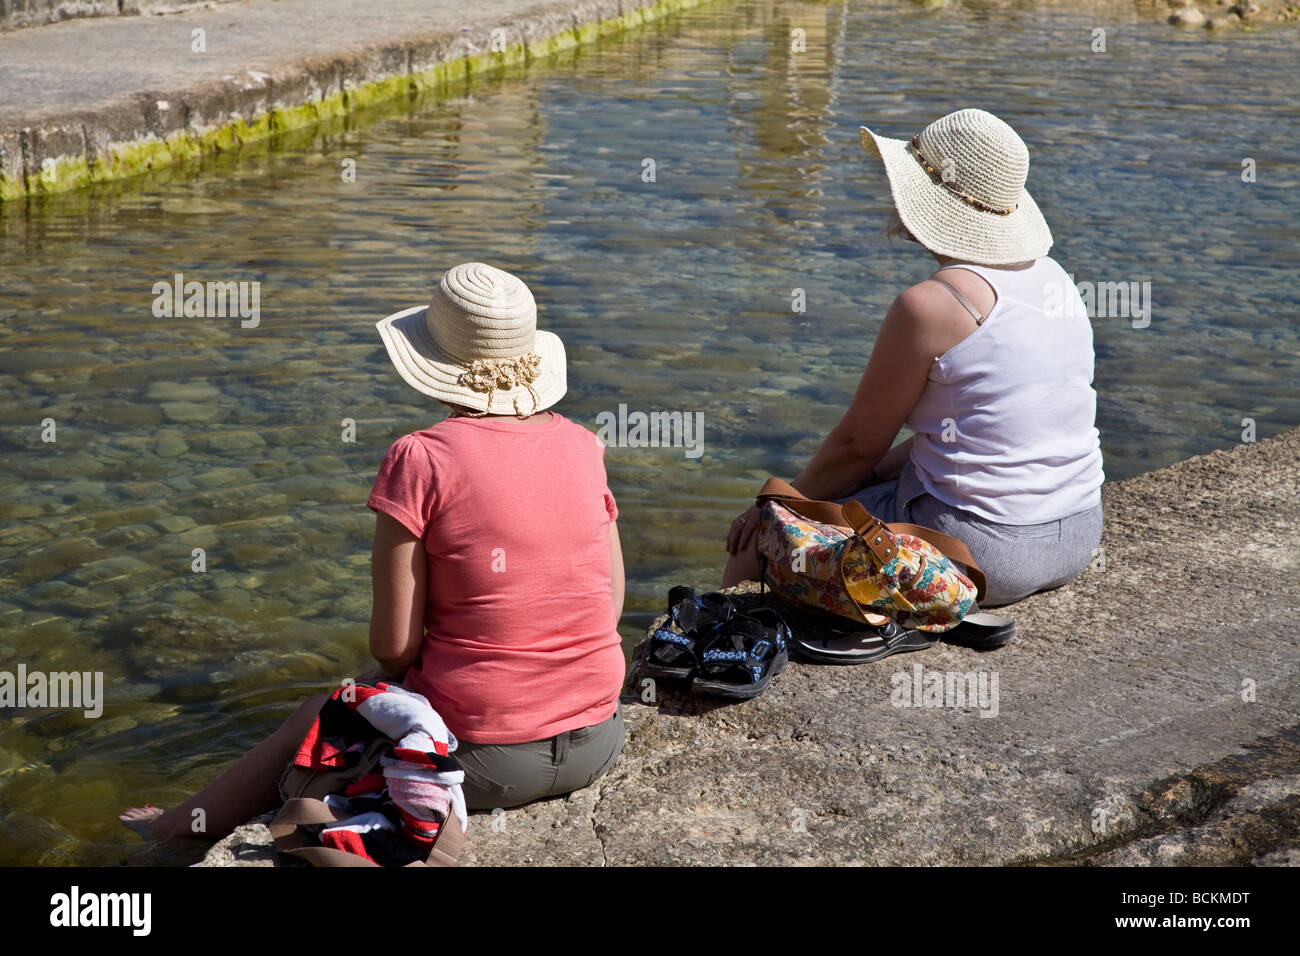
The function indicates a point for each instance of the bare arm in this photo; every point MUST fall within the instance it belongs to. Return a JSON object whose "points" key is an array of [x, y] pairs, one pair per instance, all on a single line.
{"points": [[398, 571], [616, 577]]}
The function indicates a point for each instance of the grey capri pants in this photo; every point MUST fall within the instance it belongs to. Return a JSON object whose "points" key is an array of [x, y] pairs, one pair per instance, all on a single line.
{"points": [[510, 775], [1017, 560]]}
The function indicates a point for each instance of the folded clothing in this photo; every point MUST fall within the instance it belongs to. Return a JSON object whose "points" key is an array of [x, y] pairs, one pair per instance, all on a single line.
{"points": [[391, 818]]}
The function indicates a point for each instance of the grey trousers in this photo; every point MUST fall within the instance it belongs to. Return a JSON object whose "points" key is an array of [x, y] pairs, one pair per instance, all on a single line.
{"points": [[1017, 560], [509, 775]]}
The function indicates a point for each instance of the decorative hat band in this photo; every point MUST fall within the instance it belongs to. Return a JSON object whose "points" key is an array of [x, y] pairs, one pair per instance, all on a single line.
{"points": [[488, 375], [952, 188]]}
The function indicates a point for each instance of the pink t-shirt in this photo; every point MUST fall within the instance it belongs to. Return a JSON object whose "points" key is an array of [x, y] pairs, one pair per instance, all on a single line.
{"points": [[520, 638]]}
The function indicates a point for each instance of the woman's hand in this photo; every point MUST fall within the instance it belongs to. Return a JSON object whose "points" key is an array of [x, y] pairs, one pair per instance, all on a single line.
{"points": [[742, 530]]}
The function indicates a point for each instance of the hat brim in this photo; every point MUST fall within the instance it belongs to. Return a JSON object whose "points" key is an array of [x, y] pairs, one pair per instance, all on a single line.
{"points": [[424, 367], [948, 226]]}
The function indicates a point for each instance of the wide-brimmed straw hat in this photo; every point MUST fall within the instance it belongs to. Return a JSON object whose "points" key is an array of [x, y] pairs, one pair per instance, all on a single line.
{"points": [[959, 188], [477, 345]]}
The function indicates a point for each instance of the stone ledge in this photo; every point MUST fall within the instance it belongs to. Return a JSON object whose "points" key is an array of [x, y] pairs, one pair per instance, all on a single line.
{"points": [[267, 68], [1122, 735], [36, 13]]}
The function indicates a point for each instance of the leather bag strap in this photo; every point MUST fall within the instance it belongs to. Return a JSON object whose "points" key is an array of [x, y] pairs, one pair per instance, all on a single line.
{"points": [[448, 843], [308, 811], [824, 512], [302, 811], [851, 516]]}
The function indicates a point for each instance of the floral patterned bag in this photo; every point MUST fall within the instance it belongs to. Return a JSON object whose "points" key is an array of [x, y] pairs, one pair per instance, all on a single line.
{"points": [[843, 560]]}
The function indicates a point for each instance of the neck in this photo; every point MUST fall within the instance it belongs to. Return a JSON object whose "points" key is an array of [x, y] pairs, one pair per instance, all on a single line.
{"points": [[527, 418], [947, 261]]}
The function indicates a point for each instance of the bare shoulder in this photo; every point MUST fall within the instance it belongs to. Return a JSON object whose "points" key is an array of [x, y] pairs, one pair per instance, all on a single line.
{"points": [[970, 284], [921, 302], [930, 317]]}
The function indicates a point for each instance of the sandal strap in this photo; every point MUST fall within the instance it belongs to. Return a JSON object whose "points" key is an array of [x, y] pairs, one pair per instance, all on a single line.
{"points": [[692, 612], [670, 649], [671, 637], [747, 639]]}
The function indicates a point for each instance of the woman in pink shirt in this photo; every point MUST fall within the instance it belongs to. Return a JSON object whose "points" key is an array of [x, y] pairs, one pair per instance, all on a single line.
{"points": [[497, 569]]}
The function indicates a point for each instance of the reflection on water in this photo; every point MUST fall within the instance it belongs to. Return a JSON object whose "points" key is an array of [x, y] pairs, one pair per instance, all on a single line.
{"points": [[176, 434]]}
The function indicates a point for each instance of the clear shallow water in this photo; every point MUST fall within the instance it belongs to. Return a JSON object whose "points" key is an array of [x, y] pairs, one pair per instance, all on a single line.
{"points": [[183, 433]]}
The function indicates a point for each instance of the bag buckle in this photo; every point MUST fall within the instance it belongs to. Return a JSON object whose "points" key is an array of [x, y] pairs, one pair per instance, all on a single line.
{"points": [[872, 531]]}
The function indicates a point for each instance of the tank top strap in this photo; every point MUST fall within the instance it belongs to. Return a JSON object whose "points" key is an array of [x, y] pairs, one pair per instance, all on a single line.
{"points": [[1021, 284], [966, 303]]}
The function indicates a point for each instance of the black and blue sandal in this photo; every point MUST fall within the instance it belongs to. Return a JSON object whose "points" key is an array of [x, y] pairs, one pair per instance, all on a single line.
{"points": [[673, 653], [746, 654]]}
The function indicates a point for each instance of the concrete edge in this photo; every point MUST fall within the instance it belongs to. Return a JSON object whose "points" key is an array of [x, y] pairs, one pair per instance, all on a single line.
{"points": [[40, 13], [160, 129]]}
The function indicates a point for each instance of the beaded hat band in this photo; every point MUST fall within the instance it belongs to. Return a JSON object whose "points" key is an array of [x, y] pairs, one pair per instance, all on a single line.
{"points": [[984, 215], [952, 187]]}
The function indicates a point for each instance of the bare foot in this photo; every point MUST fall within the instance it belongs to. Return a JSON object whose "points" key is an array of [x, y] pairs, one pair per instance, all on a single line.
{"points": [[140, 819]]}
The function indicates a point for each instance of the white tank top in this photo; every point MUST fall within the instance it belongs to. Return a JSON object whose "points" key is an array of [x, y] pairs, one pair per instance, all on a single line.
{"points": [[1006, 426]]}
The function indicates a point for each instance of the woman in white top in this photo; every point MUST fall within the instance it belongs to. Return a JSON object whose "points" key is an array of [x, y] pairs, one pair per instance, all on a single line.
{"points": [[989, 362]]}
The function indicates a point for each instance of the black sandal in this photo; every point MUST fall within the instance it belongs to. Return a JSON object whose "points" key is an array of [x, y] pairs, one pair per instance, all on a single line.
{"points": [[674, 653], [864, 645], [982, 631], [744, 656]]}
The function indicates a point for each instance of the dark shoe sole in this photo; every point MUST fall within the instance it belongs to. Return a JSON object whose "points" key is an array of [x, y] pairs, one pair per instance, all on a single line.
{"points": [[863, 647], [982, 631]]}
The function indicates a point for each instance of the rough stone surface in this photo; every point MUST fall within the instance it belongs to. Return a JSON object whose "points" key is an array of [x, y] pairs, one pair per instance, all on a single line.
{"points": [[1259, 824], [249, 845], [16, 14], [1146, 715]]}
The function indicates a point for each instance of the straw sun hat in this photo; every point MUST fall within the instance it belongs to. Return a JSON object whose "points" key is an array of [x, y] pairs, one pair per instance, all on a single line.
{"points": [[477, 345], [959, 187]]}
